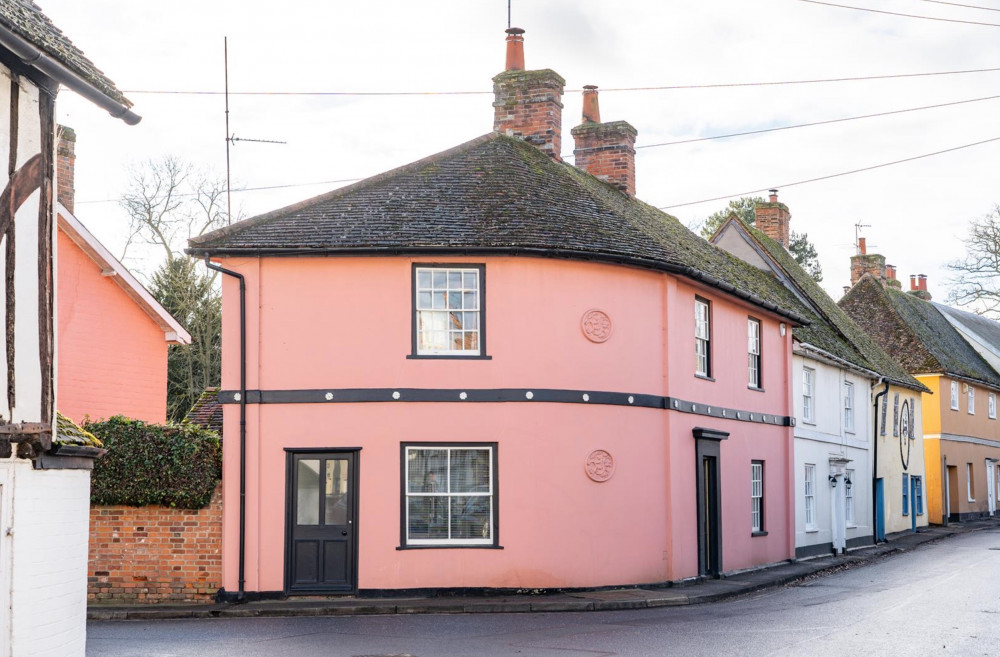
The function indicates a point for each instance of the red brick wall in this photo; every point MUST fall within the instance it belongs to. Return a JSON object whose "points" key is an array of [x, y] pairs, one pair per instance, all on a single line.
{"points": [[155, 554]]}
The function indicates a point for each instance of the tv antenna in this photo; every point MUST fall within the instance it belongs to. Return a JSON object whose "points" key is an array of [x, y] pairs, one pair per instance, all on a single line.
{"points": [[232, 138], [857, 236]]}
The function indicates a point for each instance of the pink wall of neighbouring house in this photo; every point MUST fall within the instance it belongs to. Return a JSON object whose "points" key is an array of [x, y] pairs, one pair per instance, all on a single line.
{"points": [[111, 356], [316, 323]]}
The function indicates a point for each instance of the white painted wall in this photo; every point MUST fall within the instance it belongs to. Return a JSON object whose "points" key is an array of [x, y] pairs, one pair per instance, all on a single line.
{"points": [[826, 438], [50, 516]]}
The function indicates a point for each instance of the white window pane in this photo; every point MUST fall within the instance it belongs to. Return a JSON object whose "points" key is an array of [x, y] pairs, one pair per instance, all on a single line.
{"points": [[423, 278], [440, 279], [423, 300], [470, 471], [454, 279], [470, 280]]}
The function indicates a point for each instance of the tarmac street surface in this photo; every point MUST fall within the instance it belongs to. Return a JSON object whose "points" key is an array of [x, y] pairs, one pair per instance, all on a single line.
{"points": [[942, 598]]}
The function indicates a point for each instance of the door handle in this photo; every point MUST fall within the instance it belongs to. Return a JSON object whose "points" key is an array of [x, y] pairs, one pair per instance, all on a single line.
{"points": [[343, 532]]}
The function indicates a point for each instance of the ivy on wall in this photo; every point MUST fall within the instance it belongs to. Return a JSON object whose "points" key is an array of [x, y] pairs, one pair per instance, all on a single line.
{"points": [[147, 464]]}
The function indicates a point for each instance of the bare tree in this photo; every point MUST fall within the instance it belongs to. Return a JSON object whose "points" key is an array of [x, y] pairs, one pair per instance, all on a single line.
{"points": [[169, 201], [977, 274]]}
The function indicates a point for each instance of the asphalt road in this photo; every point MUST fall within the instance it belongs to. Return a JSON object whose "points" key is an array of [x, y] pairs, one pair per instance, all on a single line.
{"points": [[940, 599]]}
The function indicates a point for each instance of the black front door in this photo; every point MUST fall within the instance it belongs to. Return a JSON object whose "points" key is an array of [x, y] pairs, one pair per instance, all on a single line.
{"points": [[322, 536], [709, 500]]}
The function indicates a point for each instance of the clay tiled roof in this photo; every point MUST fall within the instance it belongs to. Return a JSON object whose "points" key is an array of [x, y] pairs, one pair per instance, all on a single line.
{"points": [[832, 329], [207, 411], [915, 332], [495, 195], [25, 18]]}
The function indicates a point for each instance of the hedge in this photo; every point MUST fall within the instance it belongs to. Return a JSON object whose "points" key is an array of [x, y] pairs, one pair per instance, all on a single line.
{"points": [[147, 464]]}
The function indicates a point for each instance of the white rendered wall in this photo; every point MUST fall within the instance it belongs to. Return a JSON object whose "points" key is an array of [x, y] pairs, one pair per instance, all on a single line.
{"points": [[826, 437], [50, 523]]}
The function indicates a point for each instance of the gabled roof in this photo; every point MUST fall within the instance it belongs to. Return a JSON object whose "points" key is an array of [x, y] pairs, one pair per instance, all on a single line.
{"points": [[173, 332], [831, 330], [915, 332], [495, 195], [207, 411], [30, 35]]}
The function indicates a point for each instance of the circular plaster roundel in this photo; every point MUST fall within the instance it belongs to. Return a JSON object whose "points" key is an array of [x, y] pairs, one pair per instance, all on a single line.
{"points": [[600, 466], [596, 325]]}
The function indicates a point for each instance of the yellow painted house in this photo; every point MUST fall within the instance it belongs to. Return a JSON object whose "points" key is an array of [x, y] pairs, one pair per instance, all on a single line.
{"points": [[950, 352]]}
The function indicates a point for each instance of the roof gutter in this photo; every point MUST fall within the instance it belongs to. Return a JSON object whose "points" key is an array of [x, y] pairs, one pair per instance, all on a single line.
{"points": [[539, 252], [34, 57]]}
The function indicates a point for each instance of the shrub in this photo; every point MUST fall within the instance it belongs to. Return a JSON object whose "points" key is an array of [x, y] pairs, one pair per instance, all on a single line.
{"points": [[147, 464]]}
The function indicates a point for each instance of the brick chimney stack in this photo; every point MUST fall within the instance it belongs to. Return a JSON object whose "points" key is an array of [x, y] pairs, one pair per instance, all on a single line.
{"points": [[528, 104], [918, 286], [869, 263], [605, 150], [65, 165], [772, 219]]}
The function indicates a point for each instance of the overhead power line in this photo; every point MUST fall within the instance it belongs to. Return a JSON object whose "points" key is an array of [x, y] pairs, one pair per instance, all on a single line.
{"points": [[957, 4], [815, 123], [243, 189], [676, 87], [832, 175], [896, 13]]}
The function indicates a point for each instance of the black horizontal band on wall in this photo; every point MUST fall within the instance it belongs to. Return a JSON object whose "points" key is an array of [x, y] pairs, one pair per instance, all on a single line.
{"points": [[496, 395]]}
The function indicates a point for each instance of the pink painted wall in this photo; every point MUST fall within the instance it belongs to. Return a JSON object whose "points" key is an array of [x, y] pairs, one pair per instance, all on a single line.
{"points": [[112, 358], [345, 322]]}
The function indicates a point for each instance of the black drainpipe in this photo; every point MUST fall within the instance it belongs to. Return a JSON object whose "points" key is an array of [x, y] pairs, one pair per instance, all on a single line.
{"points": [[241, 594], [885, 391]]}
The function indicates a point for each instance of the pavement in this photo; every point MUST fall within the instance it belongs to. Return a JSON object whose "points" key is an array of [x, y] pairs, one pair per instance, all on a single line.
{"points": [[669, 595]]}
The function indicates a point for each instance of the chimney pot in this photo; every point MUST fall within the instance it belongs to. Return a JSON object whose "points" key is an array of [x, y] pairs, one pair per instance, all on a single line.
{"points": [[774, 195], [591, 108], [922, 282], [890, 272], [515, 49], [862, 246], [913, 282]]}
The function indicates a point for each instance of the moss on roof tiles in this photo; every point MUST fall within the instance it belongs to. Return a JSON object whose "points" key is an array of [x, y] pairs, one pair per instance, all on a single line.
{"points": [[69, 433], [833, 330], [915, 332], [207, 411], [26, 19], [495, 195]]}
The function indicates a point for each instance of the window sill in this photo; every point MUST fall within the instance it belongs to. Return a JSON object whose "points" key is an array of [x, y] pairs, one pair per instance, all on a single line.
{"points": [[755, 534], [812, 530], [446, 357], [755, 388], [449, 547], [704, 377]]}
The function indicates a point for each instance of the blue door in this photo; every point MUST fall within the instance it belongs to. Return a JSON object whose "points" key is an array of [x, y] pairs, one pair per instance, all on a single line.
{"points": [[879, 510]]}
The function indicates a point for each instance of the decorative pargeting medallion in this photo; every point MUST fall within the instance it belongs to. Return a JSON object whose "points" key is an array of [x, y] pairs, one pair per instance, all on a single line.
{"points": [[596, 325], [600, 466]]}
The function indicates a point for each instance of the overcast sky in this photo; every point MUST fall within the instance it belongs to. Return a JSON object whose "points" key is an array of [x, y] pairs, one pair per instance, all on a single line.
{"points": [[918, 212]]}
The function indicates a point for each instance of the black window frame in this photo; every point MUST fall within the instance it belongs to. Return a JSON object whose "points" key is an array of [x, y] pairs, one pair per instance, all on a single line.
{"points": [[759, 354], [707, 374], [403, 539], [481, 269], [762, 531]]}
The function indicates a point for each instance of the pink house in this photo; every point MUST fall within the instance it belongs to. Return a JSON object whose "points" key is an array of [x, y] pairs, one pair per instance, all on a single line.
{"points": [[492, 369], [112, 334]]}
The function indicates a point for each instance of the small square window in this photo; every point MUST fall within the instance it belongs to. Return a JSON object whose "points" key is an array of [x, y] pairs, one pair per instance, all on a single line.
{"points": [[448, 311]]}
